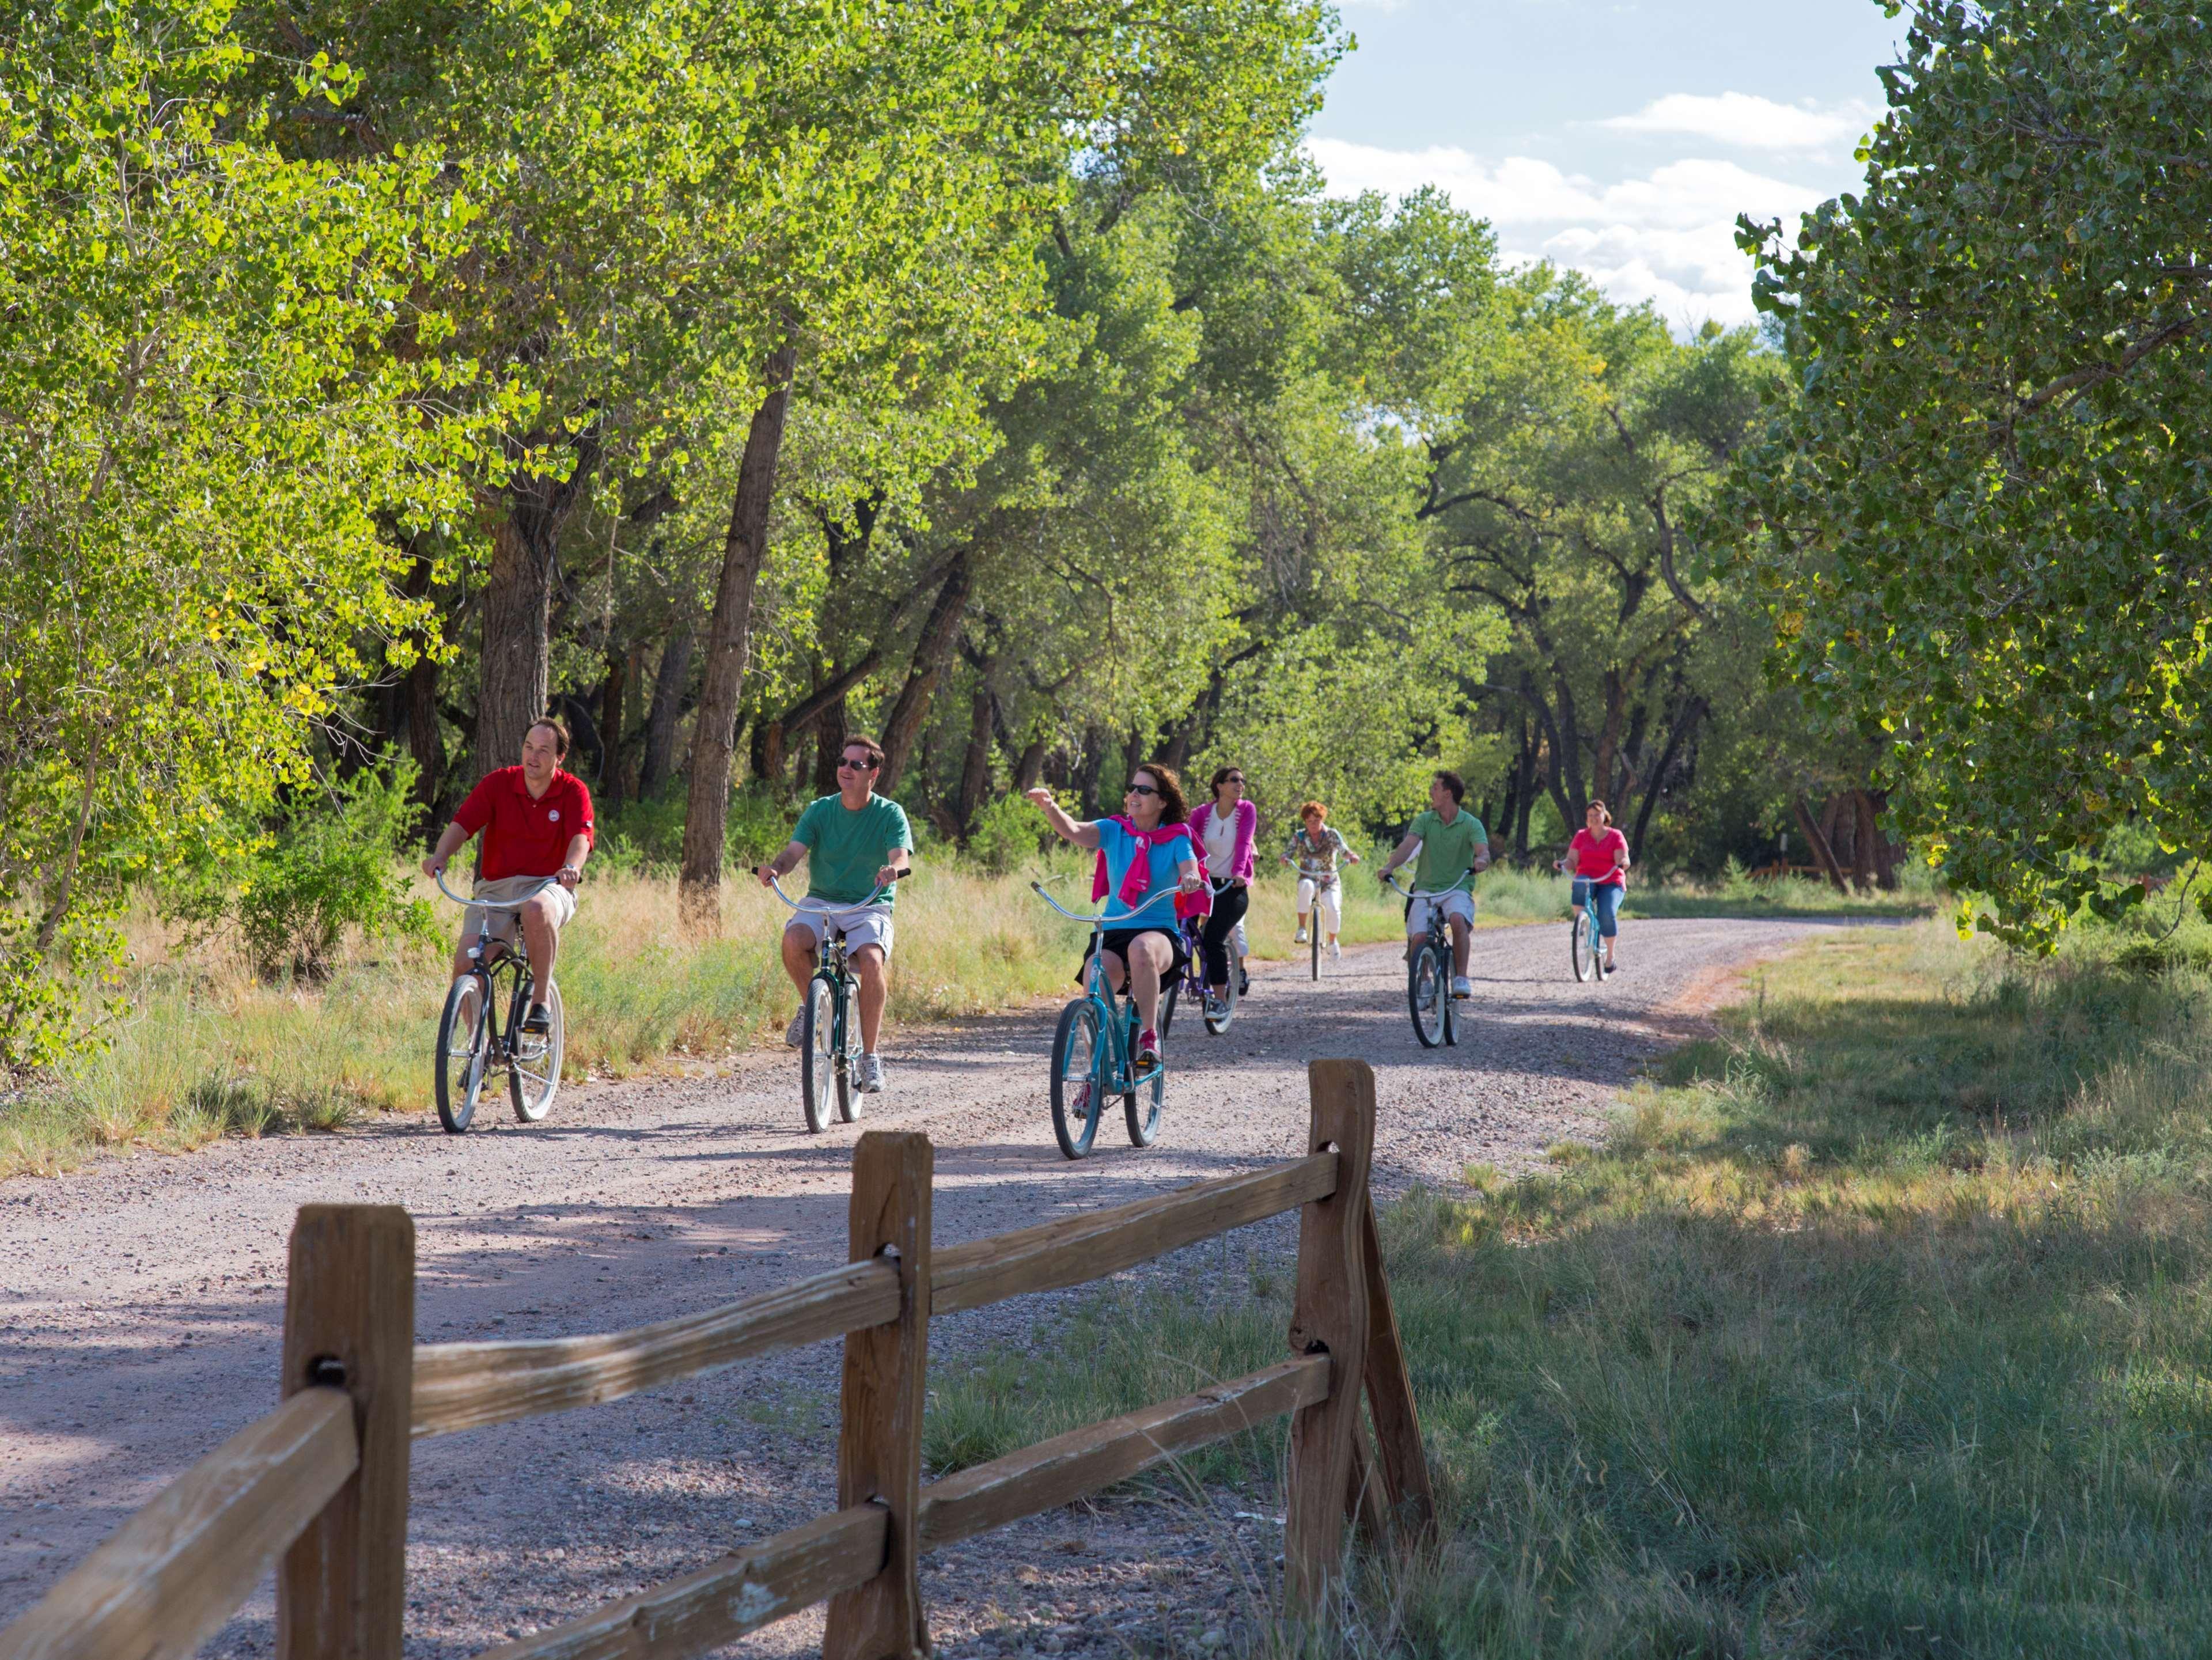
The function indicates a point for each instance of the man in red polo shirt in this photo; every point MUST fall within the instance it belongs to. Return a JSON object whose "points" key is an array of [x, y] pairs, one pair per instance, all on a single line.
{"points": [[536, 823]]}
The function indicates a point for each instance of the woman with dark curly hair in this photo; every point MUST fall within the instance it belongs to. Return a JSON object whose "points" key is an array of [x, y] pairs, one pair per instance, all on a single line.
{"points": [[1148, 857]]}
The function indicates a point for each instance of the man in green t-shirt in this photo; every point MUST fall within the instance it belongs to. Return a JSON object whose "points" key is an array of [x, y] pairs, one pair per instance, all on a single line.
{"points": [[1453, 846], [854, 841]]}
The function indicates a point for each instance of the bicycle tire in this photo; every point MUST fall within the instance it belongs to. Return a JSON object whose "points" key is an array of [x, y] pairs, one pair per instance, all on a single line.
{"points": [[1215, 1024], [533, 1069], [457, 1107], [1596, 946], [1143, 1114], [1450, 1003], [848, 1089], [1578, 949], [1313, 934], [818, 1059], [1171, 1000], [1078, 1048], [1425, 993]]}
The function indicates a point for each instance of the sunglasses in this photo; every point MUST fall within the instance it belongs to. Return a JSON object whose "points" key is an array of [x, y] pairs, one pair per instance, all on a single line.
{"points": [[1142, 789], [864, 764], [1234, 778]]}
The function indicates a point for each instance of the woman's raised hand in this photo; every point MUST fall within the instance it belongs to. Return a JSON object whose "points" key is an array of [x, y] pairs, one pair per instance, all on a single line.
{"points": [[1039, 797]]}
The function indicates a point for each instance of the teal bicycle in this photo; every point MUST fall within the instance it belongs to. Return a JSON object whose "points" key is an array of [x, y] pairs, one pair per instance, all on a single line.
{"points": [[1093, 1054], [830, 1036]]}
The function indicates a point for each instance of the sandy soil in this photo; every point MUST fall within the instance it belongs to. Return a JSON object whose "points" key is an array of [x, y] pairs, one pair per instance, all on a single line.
{"points": [[141, 1298]]}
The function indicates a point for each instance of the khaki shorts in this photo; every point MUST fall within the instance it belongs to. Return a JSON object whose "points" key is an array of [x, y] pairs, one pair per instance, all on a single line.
{"points": [[861, 925], [507, 890], [1454, 903]]}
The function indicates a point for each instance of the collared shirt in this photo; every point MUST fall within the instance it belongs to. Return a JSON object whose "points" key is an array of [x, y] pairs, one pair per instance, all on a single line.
{"points": [[523, 837]]}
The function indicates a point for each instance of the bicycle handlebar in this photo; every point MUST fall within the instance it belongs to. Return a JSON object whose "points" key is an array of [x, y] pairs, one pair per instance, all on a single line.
{"points": [[1391, 882], [830, 909], [494, 904], [1078, 917]]}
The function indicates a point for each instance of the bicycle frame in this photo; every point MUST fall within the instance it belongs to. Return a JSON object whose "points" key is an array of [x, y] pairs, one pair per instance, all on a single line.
{"points": [[831, 965], [501, 1048], [1111, 1004], [1437, 946]]}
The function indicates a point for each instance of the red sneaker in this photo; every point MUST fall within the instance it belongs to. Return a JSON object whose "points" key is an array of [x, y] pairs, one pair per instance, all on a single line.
{"points": [[1148, 1048]]}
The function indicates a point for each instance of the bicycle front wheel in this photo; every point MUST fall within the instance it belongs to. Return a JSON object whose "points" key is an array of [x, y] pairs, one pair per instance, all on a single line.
{"points": [[817, 1051], [1426, 992], [533, 1073], [1220, 1011], [1079, 1078], [1580, 932], [463, 1053], [1313, 935]]}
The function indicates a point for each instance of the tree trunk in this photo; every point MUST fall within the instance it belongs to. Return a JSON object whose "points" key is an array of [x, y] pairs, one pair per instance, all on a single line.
{"points": [[1823, 855], [976, 764], [828, 745], [1087, 771], [1884, 850], [768, 755], [930, 653], [1865, 838], [1031, 767], [518, 600], [614, 715], [424, 743], [729, 642], [1685, 724], [669, 680]]}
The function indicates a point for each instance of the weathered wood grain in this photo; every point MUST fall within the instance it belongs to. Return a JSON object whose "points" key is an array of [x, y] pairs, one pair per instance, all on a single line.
{"points": [[1063, 1470], [1329, 1317], [167, 1579], [1402, 1461], [886, 1367], [744, 1591], [459, 1386], [349, 1323], [1055, 1254]]}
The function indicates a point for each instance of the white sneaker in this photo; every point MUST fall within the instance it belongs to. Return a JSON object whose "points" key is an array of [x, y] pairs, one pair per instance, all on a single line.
{"points": [[1335, 952], [1461, 986], [871, 1074], [1299, 937], [795, 1033]]}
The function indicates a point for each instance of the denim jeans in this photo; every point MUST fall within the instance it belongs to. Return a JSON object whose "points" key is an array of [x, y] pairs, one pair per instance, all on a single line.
{"points": [[1605, 896]]}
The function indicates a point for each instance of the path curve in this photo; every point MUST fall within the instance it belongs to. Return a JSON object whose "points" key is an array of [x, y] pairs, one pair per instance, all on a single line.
{"points": [[141, 1298]]}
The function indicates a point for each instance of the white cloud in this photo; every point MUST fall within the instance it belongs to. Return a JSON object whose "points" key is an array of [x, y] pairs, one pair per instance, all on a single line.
{"points": [[1749, 122], [1668, 237]]}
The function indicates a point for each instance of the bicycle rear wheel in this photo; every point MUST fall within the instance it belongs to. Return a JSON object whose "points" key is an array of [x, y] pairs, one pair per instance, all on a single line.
{"points": [[848, 1073], [1426, 993], [463, 1053], [817, 1051], [1078, 1076], [1220, 1011], [533, 1069]]}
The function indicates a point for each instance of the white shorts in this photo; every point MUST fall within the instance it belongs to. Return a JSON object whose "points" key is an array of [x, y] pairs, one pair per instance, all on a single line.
{"points": [[1458, 903], [861, 925], [507, 890], [1332, 905]]}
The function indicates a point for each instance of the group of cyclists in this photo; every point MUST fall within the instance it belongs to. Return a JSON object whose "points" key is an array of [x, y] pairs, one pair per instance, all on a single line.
{"points": [[1154, 854]]}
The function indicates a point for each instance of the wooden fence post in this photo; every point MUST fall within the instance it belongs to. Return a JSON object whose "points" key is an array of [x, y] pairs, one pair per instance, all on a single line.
{"points": [[1404, 1460], [349, 1322], [879, 1439], [1330, 1316]]}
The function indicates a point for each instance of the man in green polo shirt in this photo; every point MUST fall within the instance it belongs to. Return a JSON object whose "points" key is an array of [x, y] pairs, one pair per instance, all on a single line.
{"points": [[1453, 846], [854, 841]]}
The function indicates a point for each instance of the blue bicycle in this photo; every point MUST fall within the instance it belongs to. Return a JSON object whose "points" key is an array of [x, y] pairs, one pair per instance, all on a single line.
{"points": [[1093, 1054]]}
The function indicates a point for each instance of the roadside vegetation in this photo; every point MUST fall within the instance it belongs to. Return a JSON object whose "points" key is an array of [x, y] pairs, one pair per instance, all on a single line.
{"points": [[1876, 1326]]}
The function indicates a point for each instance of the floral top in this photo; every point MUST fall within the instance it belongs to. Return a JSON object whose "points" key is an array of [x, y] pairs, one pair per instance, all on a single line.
{"points": [[1316, 861]]}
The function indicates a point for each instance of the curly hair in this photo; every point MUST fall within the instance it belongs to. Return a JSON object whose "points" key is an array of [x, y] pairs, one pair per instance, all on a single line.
{"points": [[1313, 809], [1173, 808]]}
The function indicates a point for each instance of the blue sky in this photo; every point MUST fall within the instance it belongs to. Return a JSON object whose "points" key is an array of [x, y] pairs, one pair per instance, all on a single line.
{"points": [[1619, 137]]}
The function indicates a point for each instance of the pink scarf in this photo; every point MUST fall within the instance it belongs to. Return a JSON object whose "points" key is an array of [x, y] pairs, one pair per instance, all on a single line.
{"points": [[1139, 877]]}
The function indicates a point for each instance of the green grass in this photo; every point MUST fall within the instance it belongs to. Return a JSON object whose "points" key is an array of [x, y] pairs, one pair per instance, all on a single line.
{"points": [[1880, 1325]]}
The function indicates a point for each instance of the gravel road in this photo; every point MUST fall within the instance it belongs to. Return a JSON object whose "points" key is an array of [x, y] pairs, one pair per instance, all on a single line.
{"points": [[141, 1298]]}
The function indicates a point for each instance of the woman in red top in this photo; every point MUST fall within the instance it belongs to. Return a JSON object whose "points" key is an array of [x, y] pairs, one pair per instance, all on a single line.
{"points": [[1598, 853]]}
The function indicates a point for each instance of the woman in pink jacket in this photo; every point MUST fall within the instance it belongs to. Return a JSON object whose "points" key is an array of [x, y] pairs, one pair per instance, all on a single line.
{"points": [[1225, 827]]}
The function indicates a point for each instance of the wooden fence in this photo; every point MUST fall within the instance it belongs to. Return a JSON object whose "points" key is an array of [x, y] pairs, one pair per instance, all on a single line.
{"points": [[318, 1489]]}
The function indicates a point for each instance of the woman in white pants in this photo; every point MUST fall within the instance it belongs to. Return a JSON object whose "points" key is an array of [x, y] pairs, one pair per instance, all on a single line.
{"points": [[1314, 850]]}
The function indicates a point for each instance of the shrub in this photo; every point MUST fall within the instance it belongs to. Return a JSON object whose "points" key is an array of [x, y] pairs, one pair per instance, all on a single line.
{"points": [[1006, 832], [326, 861]]}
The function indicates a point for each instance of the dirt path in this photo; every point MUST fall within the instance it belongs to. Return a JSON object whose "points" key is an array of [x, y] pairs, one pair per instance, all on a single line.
{"points": [[140, 1298]]}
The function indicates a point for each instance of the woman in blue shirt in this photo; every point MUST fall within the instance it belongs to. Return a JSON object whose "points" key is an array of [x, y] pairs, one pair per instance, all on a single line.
{"points": [[1149, 858]]}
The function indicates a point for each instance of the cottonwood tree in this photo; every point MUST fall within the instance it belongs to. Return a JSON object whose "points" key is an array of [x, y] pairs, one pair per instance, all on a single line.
{"points": [[1978, 526], [222, 394]]}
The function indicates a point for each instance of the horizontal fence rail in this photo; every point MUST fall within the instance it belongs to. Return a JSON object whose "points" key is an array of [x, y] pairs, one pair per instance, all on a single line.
{"points": [[464, 1386], [319, 1486], [165, 1581]]}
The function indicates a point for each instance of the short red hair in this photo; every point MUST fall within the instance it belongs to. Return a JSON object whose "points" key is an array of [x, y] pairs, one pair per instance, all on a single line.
{"points": [[1314, 810]]}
